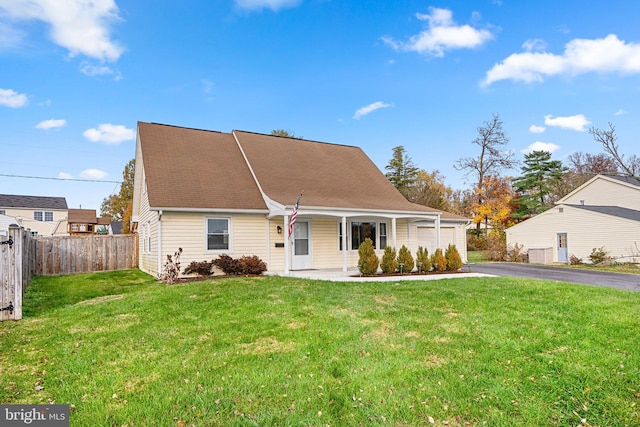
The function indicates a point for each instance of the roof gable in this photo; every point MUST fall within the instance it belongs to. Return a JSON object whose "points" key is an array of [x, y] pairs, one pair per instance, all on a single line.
{"points": [[32, 202], [613, 179]]}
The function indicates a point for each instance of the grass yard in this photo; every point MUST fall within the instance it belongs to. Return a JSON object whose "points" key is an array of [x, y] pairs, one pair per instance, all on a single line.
{"points": [[125, 350]]}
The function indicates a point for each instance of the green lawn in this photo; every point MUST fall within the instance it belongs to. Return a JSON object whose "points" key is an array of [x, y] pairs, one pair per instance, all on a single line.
{"points": [[125, 350]]}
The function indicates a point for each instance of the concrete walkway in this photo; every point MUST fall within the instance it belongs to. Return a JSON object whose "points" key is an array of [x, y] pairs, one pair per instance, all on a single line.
{"points": [[352, 275]]}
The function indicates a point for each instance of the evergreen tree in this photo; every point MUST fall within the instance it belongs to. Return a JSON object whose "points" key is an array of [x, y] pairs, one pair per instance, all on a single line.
{"points": [[540, 175], [402, 172]]}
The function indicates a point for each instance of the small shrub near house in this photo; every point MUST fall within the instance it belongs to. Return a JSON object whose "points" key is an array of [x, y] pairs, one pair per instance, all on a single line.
{"points": [[252, 265], [201, 268], [515, 253], [574, 260], [497, 246], [389, 262], [367, 259], [438, 260], [406, 259], [600, 256], [422, 259], [171, 268], [454, 262]]}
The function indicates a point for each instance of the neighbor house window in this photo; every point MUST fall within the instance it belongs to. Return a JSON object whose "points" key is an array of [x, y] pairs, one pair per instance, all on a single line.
{"points": [[3, 212], [217, 234], [74, 227], [48, 216], [38, 215]]}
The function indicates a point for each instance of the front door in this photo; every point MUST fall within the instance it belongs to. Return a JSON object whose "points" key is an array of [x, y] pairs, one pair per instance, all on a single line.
{"points": [[301, 250], [563, 251]]}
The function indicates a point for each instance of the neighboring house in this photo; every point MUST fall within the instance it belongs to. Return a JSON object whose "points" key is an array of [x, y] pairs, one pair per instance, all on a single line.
{"points": [[42, 215], [83, 222], [603, 212], [5, 222], [213, 193]]}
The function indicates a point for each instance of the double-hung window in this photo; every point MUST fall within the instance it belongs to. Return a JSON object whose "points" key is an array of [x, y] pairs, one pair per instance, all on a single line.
{"points": [[218, 234], [43, 216]]}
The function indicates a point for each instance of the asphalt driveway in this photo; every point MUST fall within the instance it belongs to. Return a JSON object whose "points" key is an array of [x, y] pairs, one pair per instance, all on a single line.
{"points": [[630, 282]]}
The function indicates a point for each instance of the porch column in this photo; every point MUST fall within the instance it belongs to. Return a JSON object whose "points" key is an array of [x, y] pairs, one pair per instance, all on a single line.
{"points": [[287, 246], [438, 232], [393, 232], [344, 243]]}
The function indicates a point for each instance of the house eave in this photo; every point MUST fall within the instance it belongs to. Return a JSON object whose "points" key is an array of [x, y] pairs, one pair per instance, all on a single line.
{"points": [[210, 210]]}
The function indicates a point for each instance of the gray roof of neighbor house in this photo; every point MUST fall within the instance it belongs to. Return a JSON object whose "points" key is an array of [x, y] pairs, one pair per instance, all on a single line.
{"points": [[190, 168], [32, 202], [628, 179], [616, 211]]}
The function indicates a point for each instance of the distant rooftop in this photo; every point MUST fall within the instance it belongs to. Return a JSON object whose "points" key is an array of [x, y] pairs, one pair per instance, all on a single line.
{"points": [[32, 202]]}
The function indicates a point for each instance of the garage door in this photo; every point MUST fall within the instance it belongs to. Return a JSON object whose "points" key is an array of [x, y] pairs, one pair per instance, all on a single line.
{"points": [[427, 238]]}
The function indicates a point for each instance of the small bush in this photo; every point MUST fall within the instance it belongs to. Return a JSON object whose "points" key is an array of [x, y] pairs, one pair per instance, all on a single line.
{"points": [[422, 259], [452, 256], [438, 260], [515, 254], [367, 259], [476, 242], [497, 246], [406, 259], [227, 264], [252, 265], [574, 260], [203, 268], [389, 263], [171, 269], [599, 256]]}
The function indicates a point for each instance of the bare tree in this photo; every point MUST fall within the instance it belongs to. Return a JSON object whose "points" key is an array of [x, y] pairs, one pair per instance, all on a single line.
{"points": [[493, 157], [608, 139]]}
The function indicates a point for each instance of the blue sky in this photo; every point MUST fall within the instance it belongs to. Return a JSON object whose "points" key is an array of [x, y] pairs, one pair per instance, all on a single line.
{"points": [[77, 75]]}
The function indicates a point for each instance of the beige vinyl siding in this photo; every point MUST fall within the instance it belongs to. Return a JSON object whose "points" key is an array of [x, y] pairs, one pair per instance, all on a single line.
{"points": [[187, 230], [148, 232], [275, 258], [585, 230], [605, 192]]}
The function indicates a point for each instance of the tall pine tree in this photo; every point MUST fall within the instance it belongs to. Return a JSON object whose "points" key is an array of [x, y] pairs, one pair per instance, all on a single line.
{"points": [[535, 186], [402, 172]]}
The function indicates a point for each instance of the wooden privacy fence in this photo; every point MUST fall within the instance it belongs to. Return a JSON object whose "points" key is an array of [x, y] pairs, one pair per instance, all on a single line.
{"points": [[58, 255], [23, 256], [17, 264]]}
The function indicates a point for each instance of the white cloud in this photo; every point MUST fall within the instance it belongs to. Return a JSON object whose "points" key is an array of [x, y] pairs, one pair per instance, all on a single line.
{"points": [[581, 56], [93, 174], [109, 134], [274, 5], [11, 98], [577, 122], [442, 34], [51, 124], [99, 70], [534, 45], [64, 175], [541, 146], [621, 112], [369, 109], [82, 27], [537, 129]]}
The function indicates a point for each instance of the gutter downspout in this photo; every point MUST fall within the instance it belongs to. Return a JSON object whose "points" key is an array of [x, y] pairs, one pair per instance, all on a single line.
{"points": [[159, 242]]}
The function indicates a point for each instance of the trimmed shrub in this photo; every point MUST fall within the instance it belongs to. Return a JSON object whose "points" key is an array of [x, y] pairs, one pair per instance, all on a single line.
{"points": [[252, 265], [227, 264], [454, 262], [422, 259], [367, 259], [405, 258], [438, 260], [389, 263], [203, 268]]}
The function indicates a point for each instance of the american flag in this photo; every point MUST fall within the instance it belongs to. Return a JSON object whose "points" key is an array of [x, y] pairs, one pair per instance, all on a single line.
{"points": [[294, 215]]}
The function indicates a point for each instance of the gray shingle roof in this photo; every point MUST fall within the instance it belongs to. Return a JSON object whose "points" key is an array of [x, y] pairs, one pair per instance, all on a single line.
{"points": [[627, 179], [616, 211], [32, 202]]}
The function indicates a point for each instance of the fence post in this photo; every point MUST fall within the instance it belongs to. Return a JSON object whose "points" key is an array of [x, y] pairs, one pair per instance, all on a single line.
{"points": [[15, 274]]}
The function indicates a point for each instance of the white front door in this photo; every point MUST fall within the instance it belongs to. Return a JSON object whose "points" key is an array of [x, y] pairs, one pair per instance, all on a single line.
{"points": [[301, 249]]}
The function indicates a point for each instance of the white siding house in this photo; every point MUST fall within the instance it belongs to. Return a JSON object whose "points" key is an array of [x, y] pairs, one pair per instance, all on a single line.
{"points": [[602, 213]]}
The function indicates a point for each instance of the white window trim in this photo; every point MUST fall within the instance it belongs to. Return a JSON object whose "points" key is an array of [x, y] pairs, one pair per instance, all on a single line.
{"points": [[206, 235], [349, 226]]}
